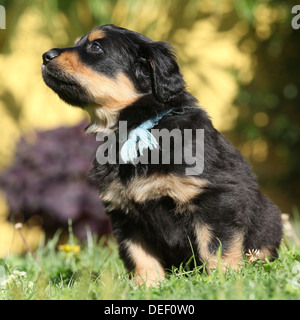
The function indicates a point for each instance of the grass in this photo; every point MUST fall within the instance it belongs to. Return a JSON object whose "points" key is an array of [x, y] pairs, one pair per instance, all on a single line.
{"points": [[94, 271]]}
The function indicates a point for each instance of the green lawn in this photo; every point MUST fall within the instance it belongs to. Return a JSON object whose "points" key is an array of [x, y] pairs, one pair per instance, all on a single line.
{"points": [[96, 272]]}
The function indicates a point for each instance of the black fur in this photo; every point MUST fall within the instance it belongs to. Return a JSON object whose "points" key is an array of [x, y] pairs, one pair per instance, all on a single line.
{"points": [[230, 204]]}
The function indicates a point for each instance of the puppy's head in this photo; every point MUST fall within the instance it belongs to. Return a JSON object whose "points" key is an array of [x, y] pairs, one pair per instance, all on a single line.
{"points": [[111, 68]]}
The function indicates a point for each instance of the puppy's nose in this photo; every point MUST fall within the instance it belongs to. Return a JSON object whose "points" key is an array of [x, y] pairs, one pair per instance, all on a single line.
{"points": [[50, 55]]}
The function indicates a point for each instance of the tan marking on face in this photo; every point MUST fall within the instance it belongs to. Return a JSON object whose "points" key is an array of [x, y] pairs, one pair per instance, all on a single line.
{"points": [[115, 93], [69, 62], [77, 40], [148, 269], [96, 34], [112, 94], [182, 189]]}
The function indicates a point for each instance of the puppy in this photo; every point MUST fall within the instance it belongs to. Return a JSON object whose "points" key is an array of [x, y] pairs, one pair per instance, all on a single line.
{"points": [[163, 212]]}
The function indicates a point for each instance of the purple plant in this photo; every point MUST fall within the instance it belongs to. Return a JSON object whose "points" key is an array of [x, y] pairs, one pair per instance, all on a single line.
{"points": [[49, 178]]}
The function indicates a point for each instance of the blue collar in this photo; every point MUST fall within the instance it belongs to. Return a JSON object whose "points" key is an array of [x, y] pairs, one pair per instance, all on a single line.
{"points": [[144, 137]]}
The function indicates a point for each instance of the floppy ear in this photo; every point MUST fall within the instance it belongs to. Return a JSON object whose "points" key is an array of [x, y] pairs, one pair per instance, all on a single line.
{"points": [[167, 81]]}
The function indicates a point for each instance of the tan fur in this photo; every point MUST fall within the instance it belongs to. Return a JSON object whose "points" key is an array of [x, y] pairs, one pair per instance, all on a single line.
{"points": [[109, 95], [69, 61], [96, 34], [112, 93], [231, 258], [77, 40], [182, 189], [101, 118], [203, 237], [115, 93], [265, 253], [116, 196], [148, 269]]}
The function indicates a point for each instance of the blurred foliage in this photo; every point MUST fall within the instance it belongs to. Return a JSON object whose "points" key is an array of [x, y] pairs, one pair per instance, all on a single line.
{"points": [[48, 182], [268, 124], [240, 58]]}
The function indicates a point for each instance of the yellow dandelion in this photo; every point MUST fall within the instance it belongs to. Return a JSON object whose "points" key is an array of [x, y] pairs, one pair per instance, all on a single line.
{"points": [[70, 248]]}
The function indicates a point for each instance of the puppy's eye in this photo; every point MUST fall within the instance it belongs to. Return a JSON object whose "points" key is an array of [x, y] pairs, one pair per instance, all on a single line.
{"points": [[96, 47]]}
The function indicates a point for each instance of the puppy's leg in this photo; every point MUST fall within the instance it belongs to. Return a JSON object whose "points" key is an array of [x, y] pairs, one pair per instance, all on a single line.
{"points": [[232, 257], [147, 268]]}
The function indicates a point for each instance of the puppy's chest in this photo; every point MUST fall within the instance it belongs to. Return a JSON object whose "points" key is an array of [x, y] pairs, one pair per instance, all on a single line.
{"points": [[115, 196], [127, 197]]}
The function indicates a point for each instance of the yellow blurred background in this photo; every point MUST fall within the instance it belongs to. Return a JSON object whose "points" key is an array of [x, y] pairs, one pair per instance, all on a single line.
{"points": [[217, 43]]}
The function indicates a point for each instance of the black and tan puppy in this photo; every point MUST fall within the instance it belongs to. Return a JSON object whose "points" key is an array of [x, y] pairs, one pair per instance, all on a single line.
{"points": [[160, 214]]}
